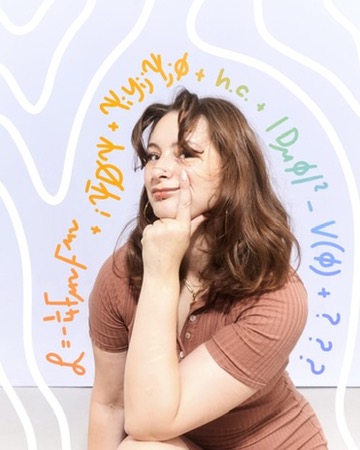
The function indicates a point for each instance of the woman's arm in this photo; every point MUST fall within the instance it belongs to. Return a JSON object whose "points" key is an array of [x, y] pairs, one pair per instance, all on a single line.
{"points": [[106, 421], [164, 399]]}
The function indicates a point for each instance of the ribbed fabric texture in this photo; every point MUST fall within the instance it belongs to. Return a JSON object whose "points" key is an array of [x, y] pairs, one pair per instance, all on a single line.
{"points": [[252, 343]]}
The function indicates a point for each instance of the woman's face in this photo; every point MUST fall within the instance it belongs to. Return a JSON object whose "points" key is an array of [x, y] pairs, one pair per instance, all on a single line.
{"points": [[166, 160]]}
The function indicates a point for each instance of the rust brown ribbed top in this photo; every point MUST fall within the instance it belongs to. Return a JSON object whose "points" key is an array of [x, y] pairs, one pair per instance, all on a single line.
{"points": [[252, 342]]}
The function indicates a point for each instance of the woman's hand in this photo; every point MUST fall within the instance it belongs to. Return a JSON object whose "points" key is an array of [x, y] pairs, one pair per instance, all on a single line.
{"points": [[165, 241]]}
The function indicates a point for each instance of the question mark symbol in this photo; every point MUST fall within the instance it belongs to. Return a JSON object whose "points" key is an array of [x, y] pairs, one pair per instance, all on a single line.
{"points": [[325, 348], [321, 186], [241, 89], [331, 319], [313, 368]]}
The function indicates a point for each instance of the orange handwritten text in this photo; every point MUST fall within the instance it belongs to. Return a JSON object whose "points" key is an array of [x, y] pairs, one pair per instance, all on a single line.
{"points": [[65, 309], [78, 369], [109, 177], [107, 147]]}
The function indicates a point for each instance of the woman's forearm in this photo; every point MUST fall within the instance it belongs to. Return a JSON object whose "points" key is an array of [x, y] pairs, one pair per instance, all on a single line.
{"points": [[152, 376], [106, 427], [152, 381]]}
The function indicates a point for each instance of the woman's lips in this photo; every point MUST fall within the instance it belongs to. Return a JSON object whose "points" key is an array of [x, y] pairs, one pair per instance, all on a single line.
{"points": [[163, 194]]}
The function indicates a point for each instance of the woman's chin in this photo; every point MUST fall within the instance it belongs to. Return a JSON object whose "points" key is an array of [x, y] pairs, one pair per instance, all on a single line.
{"points": [[164, 212]]}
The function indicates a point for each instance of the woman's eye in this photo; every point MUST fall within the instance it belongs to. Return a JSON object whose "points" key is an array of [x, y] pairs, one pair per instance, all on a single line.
{"points": [[152, 157], [185, 155]]}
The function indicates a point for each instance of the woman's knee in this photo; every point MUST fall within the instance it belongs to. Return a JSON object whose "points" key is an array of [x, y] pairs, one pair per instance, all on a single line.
{"points": [[172, 444], [129, 444]]}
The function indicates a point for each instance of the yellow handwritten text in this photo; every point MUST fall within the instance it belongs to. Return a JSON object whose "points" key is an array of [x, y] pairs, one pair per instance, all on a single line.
{"points": [[136, 88]]}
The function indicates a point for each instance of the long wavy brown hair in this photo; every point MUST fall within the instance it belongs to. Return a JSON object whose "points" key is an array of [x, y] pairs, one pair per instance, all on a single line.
{"points": [[247, 230]]}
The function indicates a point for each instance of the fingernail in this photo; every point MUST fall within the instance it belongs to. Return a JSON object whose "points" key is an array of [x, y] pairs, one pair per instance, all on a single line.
{"points": [[184, 175]]}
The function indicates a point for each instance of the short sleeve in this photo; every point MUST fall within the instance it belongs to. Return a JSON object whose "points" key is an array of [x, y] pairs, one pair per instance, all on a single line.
{"points": [[109, 307], [256, 347]]}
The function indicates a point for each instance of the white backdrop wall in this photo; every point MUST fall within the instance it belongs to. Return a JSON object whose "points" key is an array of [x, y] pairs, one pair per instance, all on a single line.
{"points": [[74, 77]]}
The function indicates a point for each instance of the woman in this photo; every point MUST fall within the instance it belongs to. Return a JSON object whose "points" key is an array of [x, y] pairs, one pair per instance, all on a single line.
{"points": [[201, 303]]}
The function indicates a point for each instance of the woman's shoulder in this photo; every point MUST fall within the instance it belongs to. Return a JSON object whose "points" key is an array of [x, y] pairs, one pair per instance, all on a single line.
{"points": [[293, 290], [111, 289], [114, 266], [291, 298], [111, 306], [111, 284]]}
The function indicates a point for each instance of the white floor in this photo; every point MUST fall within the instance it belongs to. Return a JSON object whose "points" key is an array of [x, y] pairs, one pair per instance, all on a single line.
{"points": [[74, 404]]}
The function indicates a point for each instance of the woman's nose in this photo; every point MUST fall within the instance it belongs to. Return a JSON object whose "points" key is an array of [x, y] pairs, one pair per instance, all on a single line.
{"points": [[164, 168]]}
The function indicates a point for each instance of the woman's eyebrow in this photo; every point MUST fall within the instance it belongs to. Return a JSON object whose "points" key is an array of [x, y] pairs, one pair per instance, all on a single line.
{"points": [[152, 145], [196, 147], [158, 147]]}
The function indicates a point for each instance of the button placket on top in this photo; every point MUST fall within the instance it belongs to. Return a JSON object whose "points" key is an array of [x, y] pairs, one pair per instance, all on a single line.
{"points": [[189, 328], [187, 333]]}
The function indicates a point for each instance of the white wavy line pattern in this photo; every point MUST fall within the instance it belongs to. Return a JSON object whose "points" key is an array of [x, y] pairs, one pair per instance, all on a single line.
{"points": [[38, 107], [52, 200], [21, 30], [19, 408], [352, 102], [344, 22], [25, 153], [348, 176], [313, 65], [40, 104], [27, 325]]}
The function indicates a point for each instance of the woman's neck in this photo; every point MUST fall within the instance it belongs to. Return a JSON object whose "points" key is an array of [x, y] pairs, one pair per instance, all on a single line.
{"points": [[195, 260]]}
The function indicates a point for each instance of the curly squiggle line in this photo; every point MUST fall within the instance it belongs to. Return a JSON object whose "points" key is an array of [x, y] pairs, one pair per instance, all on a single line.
{"points": [[21, 30], [27, 158], [27, 324], [338, 84], [346, 367], [40, 104], [20, 410], [344, 22], [25, 153], [318, 114]]}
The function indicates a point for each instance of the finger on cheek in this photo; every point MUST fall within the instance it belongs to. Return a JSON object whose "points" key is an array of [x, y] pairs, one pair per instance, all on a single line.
{"points": [[184, 178]]}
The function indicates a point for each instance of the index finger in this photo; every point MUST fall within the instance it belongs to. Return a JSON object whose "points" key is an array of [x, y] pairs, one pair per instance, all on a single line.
{"points": [[183, 212]]}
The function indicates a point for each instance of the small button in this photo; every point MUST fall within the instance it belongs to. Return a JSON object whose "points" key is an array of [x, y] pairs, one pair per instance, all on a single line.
{"points": [[192, 318], [181, 354], [187, 335]]}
